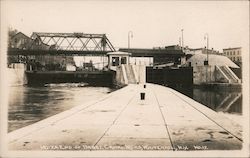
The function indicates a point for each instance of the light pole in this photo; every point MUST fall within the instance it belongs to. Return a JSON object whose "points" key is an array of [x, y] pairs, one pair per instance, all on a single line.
{"points": [[182, 38], [206, 37], [130, 34]]}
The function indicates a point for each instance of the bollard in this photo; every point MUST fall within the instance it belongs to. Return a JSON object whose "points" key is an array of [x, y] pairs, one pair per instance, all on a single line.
{"points": [[144, 86], [142, 96]]}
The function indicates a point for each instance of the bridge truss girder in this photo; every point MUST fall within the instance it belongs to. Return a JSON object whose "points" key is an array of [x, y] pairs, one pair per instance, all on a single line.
{"points": [[55, 52], [71, 42]]}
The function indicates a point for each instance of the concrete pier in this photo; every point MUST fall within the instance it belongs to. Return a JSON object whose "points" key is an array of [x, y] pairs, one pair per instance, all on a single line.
{"points": [[165, 120]]}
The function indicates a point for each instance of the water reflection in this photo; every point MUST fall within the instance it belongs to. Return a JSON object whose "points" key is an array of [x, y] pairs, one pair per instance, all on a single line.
{"points": [[225, 100], [28, 105]]}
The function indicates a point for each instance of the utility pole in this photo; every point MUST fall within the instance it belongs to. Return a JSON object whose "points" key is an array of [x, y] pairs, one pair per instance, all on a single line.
{"points": [[182, 38], [130, 34], [206, 37]]}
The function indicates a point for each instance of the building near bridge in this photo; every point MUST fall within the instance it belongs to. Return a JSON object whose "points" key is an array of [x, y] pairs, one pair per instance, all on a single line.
{"points": [[21, 41], [203, 51], [156, 56], [234, 54]]}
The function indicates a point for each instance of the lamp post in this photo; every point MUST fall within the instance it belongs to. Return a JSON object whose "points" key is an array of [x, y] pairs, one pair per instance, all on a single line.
{"points": [[206, 37], [130, 34], [182, 38]]}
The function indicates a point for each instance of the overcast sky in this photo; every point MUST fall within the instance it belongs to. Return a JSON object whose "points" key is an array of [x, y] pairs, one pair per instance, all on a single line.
{"points": [[153, 23]]}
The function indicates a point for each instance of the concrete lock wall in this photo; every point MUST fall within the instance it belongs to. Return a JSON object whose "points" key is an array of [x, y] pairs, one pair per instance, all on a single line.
{"points": [[119, 78], [219, 76], [16, 74], [140, 73], [178, 77], [203, 74]]}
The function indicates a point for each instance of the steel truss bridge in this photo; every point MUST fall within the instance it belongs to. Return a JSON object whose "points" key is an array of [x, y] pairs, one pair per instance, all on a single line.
{"points": [[65, 44]]}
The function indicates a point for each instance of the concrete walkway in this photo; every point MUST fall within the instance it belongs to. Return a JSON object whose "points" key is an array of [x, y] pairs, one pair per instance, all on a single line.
{"points": [[165, 120]]}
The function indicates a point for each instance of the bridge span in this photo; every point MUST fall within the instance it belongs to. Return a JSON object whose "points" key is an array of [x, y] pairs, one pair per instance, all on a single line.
{"points": [[41, 43], [14, 51]]}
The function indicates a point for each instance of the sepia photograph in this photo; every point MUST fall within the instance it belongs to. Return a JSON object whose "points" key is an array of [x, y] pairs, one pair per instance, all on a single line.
{"points": [[124, 78]]}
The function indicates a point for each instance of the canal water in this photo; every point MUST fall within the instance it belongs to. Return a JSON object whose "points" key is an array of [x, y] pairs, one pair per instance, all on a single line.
{"points": [[28, 105], [220, 100], [225, 102]]}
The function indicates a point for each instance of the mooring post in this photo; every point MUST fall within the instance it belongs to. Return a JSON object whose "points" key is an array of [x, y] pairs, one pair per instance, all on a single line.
{"points": [[142, 95]]}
